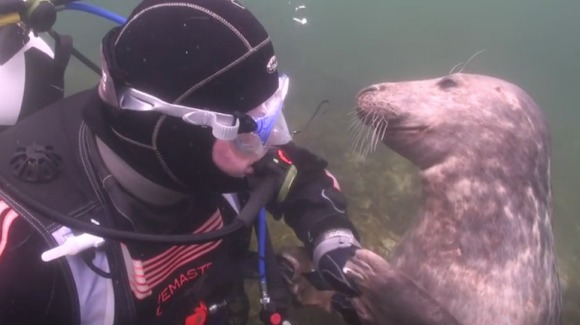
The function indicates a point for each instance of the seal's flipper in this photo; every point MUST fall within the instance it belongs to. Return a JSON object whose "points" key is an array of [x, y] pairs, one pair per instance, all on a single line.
{"points": [[390, 297]]}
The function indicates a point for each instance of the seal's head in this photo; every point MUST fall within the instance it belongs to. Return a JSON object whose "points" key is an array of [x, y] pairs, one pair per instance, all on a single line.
{"points": [[459, 115]]}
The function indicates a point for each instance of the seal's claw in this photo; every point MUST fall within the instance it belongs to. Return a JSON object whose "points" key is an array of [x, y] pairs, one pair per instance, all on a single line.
{"points": [[352, 275], [370, 260]]}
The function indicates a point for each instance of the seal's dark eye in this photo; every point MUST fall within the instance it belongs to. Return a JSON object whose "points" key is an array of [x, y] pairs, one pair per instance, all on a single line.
{"points": [[446, 83]]}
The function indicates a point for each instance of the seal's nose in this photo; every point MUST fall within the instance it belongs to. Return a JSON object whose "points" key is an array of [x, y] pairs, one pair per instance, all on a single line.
{"points": [[367, 89], [371, 89]]}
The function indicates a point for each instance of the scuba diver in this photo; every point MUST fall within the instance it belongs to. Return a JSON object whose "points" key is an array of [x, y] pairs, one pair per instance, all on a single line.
{"points": [[133, 202]]}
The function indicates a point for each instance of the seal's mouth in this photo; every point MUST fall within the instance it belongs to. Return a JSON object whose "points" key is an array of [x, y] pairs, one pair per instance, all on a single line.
{"points": [[368, 117], [370, 126], [406, 128]]}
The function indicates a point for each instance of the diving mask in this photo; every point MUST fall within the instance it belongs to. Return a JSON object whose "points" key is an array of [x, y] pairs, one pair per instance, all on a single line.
{"points": [[253, 132]]}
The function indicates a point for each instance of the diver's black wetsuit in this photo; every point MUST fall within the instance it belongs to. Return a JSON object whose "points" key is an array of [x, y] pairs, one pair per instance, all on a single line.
{"points": [[148, 284]]}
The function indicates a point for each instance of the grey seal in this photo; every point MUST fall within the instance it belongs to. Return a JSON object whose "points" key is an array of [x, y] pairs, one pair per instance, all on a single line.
{"points": [[482, 247]]}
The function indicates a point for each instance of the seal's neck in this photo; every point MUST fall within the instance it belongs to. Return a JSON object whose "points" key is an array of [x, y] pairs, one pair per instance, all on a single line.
{"points": [[450, 189], [463, 189], [135, 183]]}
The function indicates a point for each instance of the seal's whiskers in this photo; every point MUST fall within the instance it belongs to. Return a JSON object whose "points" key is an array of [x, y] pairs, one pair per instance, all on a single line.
{"points": [[366, 132], [463, 65], [454, 67]]}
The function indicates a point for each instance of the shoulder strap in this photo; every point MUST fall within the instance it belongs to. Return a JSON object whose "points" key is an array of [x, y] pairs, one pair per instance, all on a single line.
{"points": [[63, 46]]}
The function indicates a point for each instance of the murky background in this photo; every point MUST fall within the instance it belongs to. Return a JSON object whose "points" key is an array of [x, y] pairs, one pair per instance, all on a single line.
{"points": [[348, 44]]}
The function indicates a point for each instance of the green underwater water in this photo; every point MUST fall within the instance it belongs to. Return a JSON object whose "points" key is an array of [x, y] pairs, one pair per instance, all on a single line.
{"points": [[347, 45]]}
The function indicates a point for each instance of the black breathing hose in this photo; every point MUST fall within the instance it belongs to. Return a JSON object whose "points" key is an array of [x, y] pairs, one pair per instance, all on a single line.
{"points": [[258, 199]]}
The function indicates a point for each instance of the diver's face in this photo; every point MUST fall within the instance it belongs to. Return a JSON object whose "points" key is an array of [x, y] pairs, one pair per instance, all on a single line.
{"points": [[231, 160]]}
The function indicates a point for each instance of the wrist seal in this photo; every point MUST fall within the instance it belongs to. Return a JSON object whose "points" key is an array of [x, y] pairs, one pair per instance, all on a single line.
{"points": [[331, 240]]}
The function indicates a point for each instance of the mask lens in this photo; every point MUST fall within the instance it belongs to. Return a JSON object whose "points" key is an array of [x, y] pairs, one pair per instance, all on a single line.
{"points": [[250, 143], [279, 134], [271, 127], [267, 124]]}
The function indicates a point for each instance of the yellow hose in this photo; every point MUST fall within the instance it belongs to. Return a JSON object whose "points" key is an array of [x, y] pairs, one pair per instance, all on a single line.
{"points": [[9, 19]]}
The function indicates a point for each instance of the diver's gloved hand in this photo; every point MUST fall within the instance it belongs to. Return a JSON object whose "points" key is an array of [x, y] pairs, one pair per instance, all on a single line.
{"points": [[331, 252]]}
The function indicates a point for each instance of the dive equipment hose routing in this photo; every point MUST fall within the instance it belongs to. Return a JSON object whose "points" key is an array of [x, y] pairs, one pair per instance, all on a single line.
{"points": [[266, 183], [98, 11]]}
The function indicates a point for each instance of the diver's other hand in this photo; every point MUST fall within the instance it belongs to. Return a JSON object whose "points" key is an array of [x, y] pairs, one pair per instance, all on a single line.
{"points": [[332, 251], [298, 268]]}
